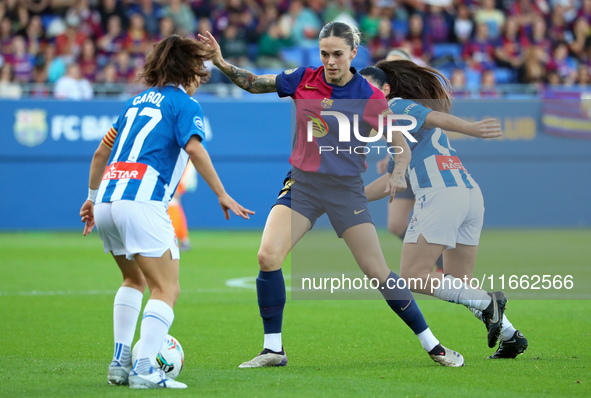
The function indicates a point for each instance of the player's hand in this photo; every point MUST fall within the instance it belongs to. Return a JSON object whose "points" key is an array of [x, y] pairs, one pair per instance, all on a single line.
{"points": [[395, 185], [487, 128], [382, 165], [228, 203], [208, 39], [87, 216]]}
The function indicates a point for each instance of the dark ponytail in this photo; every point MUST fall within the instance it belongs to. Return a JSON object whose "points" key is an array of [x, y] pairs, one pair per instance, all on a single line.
{"points": [[422, 84]]}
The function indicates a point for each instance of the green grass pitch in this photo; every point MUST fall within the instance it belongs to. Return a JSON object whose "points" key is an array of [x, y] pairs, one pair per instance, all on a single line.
{"points": [[57, 289]]}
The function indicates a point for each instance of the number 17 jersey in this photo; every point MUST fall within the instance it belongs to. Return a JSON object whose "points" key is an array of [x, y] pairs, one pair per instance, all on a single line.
{"points": [[148, 156]]}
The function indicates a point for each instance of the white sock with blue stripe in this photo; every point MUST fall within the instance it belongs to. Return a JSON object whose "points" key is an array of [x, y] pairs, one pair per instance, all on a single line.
{"points": [[126, 308], [158, 317], [456, 291]]}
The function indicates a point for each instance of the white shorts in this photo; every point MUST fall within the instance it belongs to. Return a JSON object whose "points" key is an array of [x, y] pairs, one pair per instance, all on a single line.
{"points": [[447, 216], [128, 228]]}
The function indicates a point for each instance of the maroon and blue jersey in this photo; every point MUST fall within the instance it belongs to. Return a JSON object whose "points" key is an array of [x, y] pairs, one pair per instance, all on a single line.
{"points": [[326, 152]]}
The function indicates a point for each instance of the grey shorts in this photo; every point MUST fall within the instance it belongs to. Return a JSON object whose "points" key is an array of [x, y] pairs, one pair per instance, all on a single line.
{"points": [[313, 194]]}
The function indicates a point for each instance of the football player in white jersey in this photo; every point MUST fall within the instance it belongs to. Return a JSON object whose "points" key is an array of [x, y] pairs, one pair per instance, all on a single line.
{"points": [[449, 208], [133, 175]]}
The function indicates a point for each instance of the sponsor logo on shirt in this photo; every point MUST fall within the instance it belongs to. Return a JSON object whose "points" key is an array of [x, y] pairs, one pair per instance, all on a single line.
{"points": [[124, 170], [449, 163], [198, 122]]}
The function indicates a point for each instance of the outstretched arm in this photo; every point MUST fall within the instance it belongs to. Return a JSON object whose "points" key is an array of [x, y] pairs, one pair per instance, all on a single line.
{"points": [[97, 168], [487, 128], [244, 79]]}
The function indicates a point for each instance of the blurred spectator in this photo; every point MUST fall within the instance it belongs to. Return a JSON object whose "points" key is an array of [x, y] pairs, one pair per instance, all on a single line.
{"points": [[125, 67], [137, 40], [234, 47], [338, 10], [370, 24], [90, 19], [17, 13], [458, 83], [533, 69], [487, 84], [510, 51], [110, 8], [151, 12], [463, 24], [87, 61], [438, 24], [8, 88], [5, 36], [581, 33], [538, 37], [526, 12], [39, 87], [492, 17], [558, 29], [69, 43], [380, 45], [21, 61], [583, 78], [54, 65], [561, 64], [585, 11], [166, 28], [38, 7], [301, 24], [479, 52], [109, 81], [72, 85], [417, 42], [182, 15], [113, 41], [553, 78], [34, 35], [269, 49], [201, 8]]}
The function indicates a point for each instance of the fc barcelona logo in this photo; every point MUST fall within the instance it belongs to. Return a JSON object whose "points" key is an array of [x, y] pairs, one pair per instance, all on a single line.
{"points": [[326, 103], [30, 126]]}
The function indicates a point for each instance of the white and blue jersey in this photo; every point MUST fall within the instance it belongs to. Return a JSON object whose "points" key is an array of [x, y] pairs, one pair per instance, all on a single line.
{"points": [[434, 163], [148, 156]]}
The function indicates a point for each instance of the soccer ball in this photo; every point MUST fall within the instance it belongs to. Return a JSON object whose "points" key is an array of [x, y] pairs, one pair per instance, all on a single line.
{"points": [[170, 358]]}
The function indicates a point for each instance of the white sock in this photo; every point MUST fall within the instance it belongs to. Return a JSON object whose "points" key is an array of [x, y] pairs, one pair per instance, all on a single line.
{"points": [[158, 317], [273, 342], [507, 330], [126, 308], [456, 291], [427, 339]]}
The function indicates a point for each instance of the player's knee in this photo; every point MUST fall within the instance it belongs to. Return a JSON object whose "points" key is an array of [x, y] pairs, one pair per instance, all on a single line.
{"points": [[135, 281], [268, 260], [397, 229]]}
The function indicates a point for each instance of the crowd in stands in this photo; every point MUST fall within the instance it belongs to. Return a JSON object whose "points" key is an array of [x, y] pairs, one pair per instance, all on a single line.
{"points": [[543, 42]]}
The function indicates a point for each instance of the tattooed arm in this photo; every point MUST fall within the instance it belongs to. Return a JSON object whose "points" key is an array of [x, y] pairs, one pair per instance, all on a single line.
{"points": [[244, 79]]}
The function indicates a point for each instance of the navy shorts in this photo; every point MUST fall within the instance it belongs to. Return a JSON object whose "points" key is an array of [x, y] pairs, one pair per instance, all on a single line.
{"points": [[313, 194]]}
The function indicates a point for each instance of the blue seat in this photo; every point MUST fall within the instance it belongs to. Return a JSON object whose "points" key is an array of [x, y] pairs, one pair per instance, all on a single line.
{"points": [[294, 55], [400, 27], [313, 56], [362, 59], [473, 78], [503, 75], [453, 50]]}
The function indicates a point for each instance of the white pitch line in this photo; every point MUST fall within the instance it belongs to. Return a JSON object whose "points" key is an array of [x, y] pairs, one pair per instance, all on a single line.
{"points": [[101, 292], [249, 282]]}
